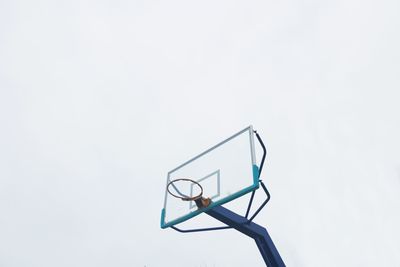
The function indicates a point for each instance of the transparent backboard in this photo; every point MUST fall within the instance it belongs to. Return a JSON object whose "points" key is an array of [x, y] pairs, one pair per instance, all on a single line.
{"points": [[226, 171]]}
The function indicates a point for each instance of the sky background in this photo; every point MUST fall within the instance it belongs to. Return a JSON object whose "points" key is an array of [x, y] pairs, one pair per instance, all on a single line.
{"points": [[100, 99]]}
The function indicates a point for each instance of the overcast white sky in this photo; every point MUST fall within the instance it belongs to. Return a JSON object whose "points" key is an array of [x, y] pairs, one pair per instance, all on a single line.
{"points": [[99, 99]]}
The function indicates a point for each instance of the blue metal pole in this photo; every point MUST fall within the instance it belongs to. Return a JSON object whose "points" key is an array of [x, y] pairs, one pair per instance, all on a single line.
{"points": [[264, 242]]}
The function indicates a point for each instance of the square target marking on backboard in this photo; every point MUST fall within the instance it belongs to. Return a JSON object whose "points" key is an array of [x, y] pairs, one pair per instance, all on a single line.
{"points": [[212, 183]]}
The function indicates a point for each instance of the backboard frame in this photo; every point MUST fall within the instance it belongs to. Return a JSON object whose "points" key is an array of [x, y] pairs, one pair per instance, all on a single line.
{"points": [[242, 192]]}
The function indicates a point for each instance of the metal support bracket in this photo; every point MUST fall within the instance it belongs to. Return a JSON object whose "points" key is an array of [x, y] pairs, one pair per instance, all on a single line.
{"points": [[264, 242]]}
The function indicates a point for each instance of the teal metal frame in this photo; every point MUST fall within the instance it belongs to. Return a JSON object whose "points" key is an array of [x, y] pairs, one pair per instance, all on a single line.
{"points": [[251, 188]]}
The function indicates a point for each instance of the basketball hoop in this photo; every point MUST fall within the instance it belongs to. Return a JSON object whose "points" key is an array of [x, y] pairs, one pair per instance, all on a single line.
{"points": [[200, 201]]}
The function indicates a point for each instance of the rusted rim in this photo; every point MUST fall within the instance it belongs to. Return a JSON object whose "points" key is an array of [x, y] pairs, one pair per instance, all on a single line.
{"points": [[182, 196]]}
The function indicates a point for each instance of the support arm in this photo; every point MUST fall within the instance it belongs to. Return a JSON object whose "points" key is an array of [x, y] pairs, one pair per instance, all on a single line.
{"points": [[264, 242]]}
